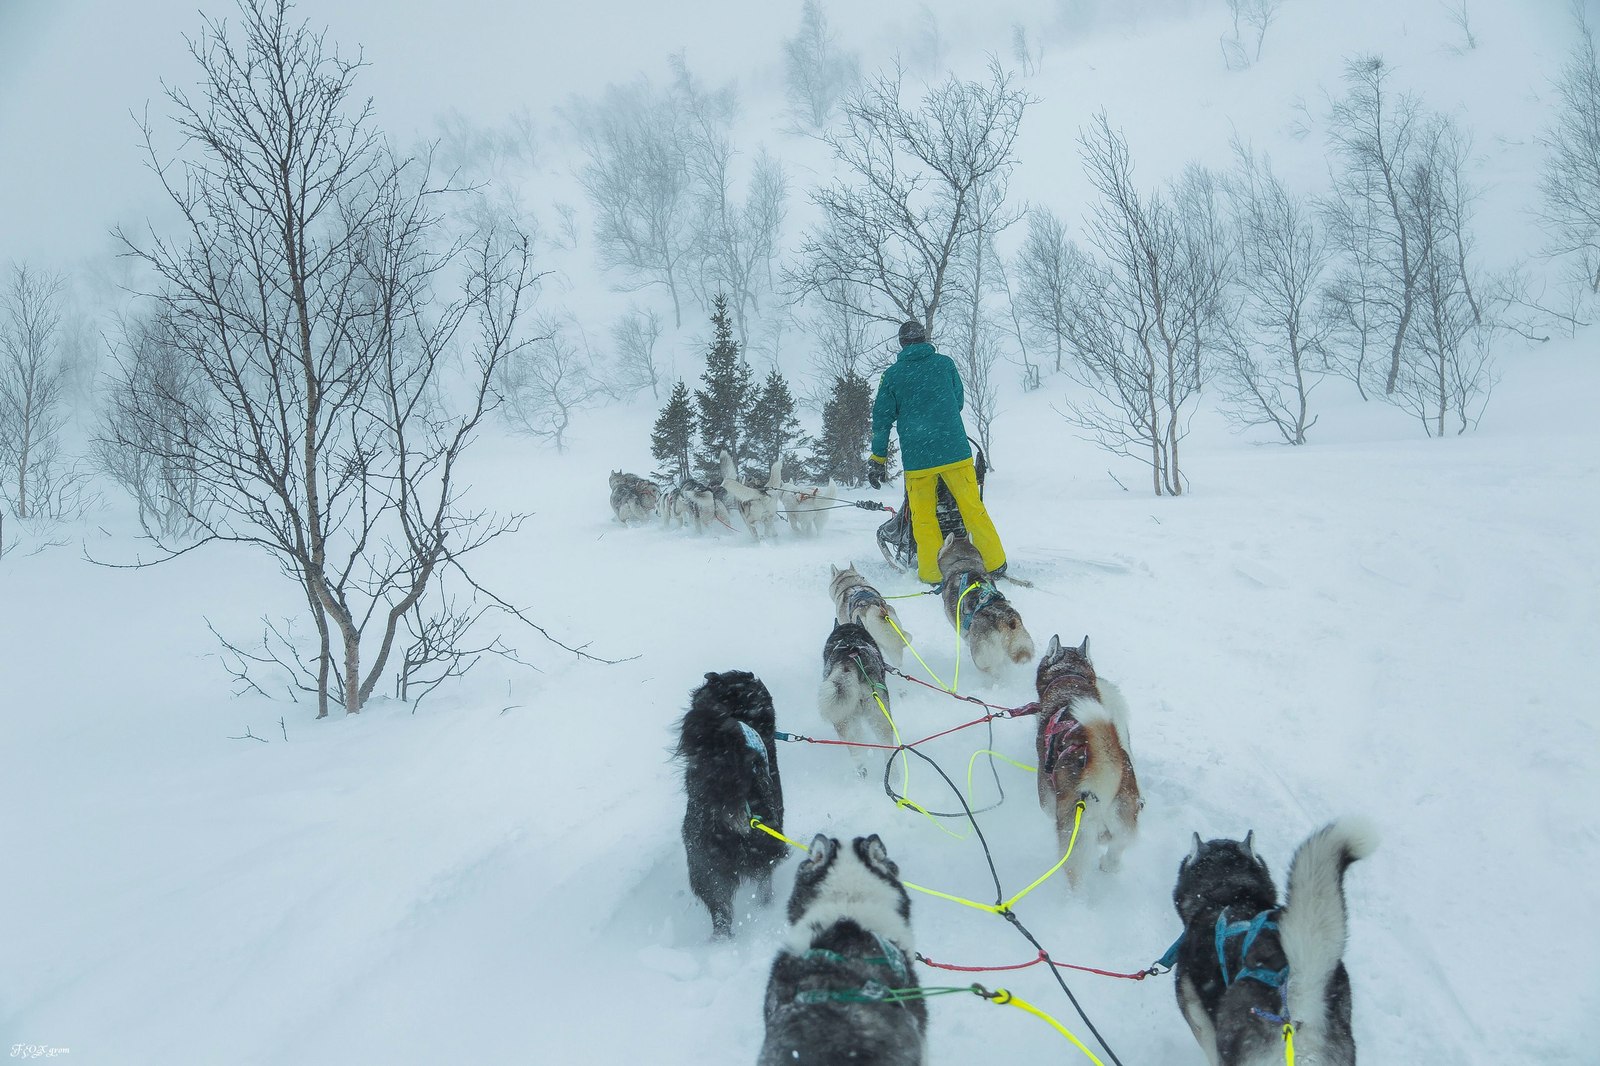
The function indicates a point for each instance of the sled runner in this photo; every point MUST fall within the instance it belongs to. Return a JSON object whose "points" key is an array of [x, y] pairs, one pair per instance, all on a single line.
{"points": [[894, 536]]}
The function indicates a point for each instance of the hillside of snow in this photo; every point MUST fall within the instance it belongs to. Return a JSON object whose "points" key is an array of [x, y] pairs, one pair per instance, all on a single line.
{"points": [[1375, 623]]}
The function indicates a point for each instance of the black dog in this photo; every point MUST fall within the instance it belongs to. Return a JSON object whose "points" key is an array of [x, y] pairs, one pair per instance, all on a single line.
{"points": [[1245, 966], [731, 776]]}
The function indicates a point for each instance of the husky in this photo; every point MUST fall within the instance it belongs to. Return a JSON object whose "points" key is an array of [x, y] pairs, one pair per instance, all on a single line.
{"points": [[853, 698], [982, 615], [730, 772], [1244, 965], [805, 508], [849, 941], [1083, 753], [633, 498], [692, 503], [856, 601], [757, 507]]}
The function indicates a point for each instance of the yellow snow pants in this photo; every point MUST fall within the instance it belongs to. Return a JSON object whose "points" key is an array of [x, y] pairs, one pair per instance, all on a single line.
{"points": [[922, 490]]}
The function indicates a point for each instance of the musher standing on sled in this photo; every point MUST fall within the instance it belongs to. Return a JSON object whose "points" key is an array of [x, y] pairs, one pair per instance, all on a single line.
{"points": [[922, 394]]}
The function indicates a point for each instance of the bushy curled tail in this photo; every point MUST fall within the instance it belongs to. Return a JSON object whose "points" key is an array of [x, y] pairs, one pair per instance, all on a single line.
{"points": [[1313, 923]]}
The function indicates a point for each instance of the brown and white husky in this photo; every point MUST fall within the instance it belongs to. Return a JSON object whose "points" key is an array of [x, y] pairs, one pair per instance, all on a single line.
{"points": [[1083, 753]]}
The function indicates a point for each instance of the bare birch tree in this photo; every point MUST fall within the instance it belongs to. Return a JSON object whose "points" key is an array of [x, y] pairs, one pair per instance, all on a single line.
{"points": [[734, 242], [548, 380], [302, 290], [1372, 210], [1145, 302], [1044, 279], [35, 479], [153, 393], [817, 71], [1273, 365], [634, 337], [892, 227], [637, 140], [1570, 182]]}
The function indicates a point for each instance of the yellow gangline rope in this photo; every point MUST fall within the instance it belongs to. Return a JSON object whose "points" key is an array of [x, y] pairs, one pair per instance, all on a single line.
{"points": [[1005, 998], [1288, 1043], [992, 908]]}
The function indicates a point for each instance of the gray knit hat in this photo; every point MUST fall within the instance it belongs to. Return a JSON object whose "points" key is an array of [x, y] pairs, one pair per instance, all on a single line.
{"points": [[912, 333]]}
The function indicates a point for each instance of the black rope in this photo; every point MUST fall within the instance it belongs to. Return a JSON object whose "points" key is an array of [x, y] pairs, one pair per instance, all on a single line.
{"points": [[906, 801], [1010, 915]]}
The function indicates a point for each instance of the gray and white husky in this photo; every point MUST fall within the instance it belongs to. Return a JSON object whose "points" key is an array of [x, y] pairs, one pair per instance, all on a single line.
{"points": [[1245, 965], [852, 686], [856, 601], [633, 498], [849, 940], [757, 507], [980, 612]]}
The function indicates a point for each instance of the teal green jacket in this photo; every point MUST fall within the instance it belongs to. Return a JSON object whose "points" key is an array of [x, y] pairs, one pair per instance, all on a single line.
{"points": [[921, 393]]}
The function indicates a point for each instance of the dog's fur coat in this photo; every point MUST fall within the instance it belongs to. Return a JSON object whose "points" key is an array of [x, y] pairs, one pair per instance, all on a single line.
{"points": [[633, 498], [856, 601], [1226, 882], [692, 502], [805, 508], [730, 774], [988, 623], [1083, 752], [850, 930], [757, 507], [852, 685]]}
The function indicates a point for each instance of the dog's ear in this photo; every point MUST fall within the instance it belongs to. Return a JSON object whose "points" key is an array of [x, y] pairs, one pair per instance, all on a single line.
{"points": [[820, 853], [949, 538], [1055, 646], [1194, 852], [877, 856], [835, 569], [1250, 845], [1083, 649]]}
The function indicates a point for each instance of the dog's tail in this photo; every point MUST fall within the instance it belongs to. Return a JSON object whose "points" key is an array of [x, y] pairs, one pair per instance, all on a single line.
{"points": [[1313, 925]]}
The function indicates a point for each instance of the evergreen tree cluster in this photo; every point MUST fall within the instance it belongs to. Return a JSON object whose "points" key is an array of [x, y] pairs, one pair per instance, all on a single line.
{"points": [[756, 423]]}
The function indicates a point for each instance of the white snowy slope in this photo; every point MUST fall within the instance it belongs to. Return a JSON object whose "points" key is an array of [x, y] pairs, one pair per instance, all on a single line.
{"points": [[1376, 623]]}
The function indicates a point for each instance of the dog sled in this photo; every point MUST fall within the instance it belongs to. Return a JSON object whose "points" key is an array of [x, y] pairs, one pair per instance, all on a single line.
{"points": [[894, 536]]}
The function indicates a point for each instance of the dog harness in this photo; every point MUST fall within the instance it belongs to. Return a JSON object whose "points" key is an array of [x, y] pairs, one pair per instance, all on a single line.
{"points": [[753, 740], [1063, 737], [860, 596], [892, 959], [970, 603], [1249, 930]]}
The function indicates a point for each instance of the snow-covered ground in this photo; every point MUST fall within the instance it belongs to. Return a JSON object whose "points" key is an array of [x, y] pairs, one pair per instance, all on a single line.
{"points": [[1376, 623]]}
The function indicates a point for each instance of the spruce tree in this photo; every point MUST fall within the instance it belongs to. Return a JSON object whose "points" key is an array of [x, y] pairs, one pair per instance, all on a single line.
{"points": [[724, 404], [773, 431], [841, 454], [672, 440]]}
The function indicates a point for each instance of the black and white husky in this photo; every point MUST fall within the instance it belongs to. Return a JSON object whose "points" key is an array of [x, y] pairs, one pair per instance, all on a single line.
{"points": [[1246, 966], [849, 943], [731, 775], [852, 686]]}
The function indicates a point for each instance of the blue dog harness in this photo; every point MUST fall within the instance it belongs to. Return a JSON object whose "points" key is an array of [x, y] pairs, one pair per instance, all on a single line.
{"points": [[970, 603], [1249, 930], [860, 596]]}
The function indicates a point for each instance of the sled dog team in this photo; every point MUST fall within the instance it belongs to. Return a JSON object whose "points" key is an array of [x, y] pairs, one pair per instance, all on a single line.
{"points": [[698, 505], [1245, 962]]}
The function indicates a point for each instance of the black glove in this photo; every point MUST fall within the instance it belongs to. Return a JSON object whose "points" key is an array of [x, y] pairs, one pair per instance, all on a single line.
{"points": [[877, 469]]}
